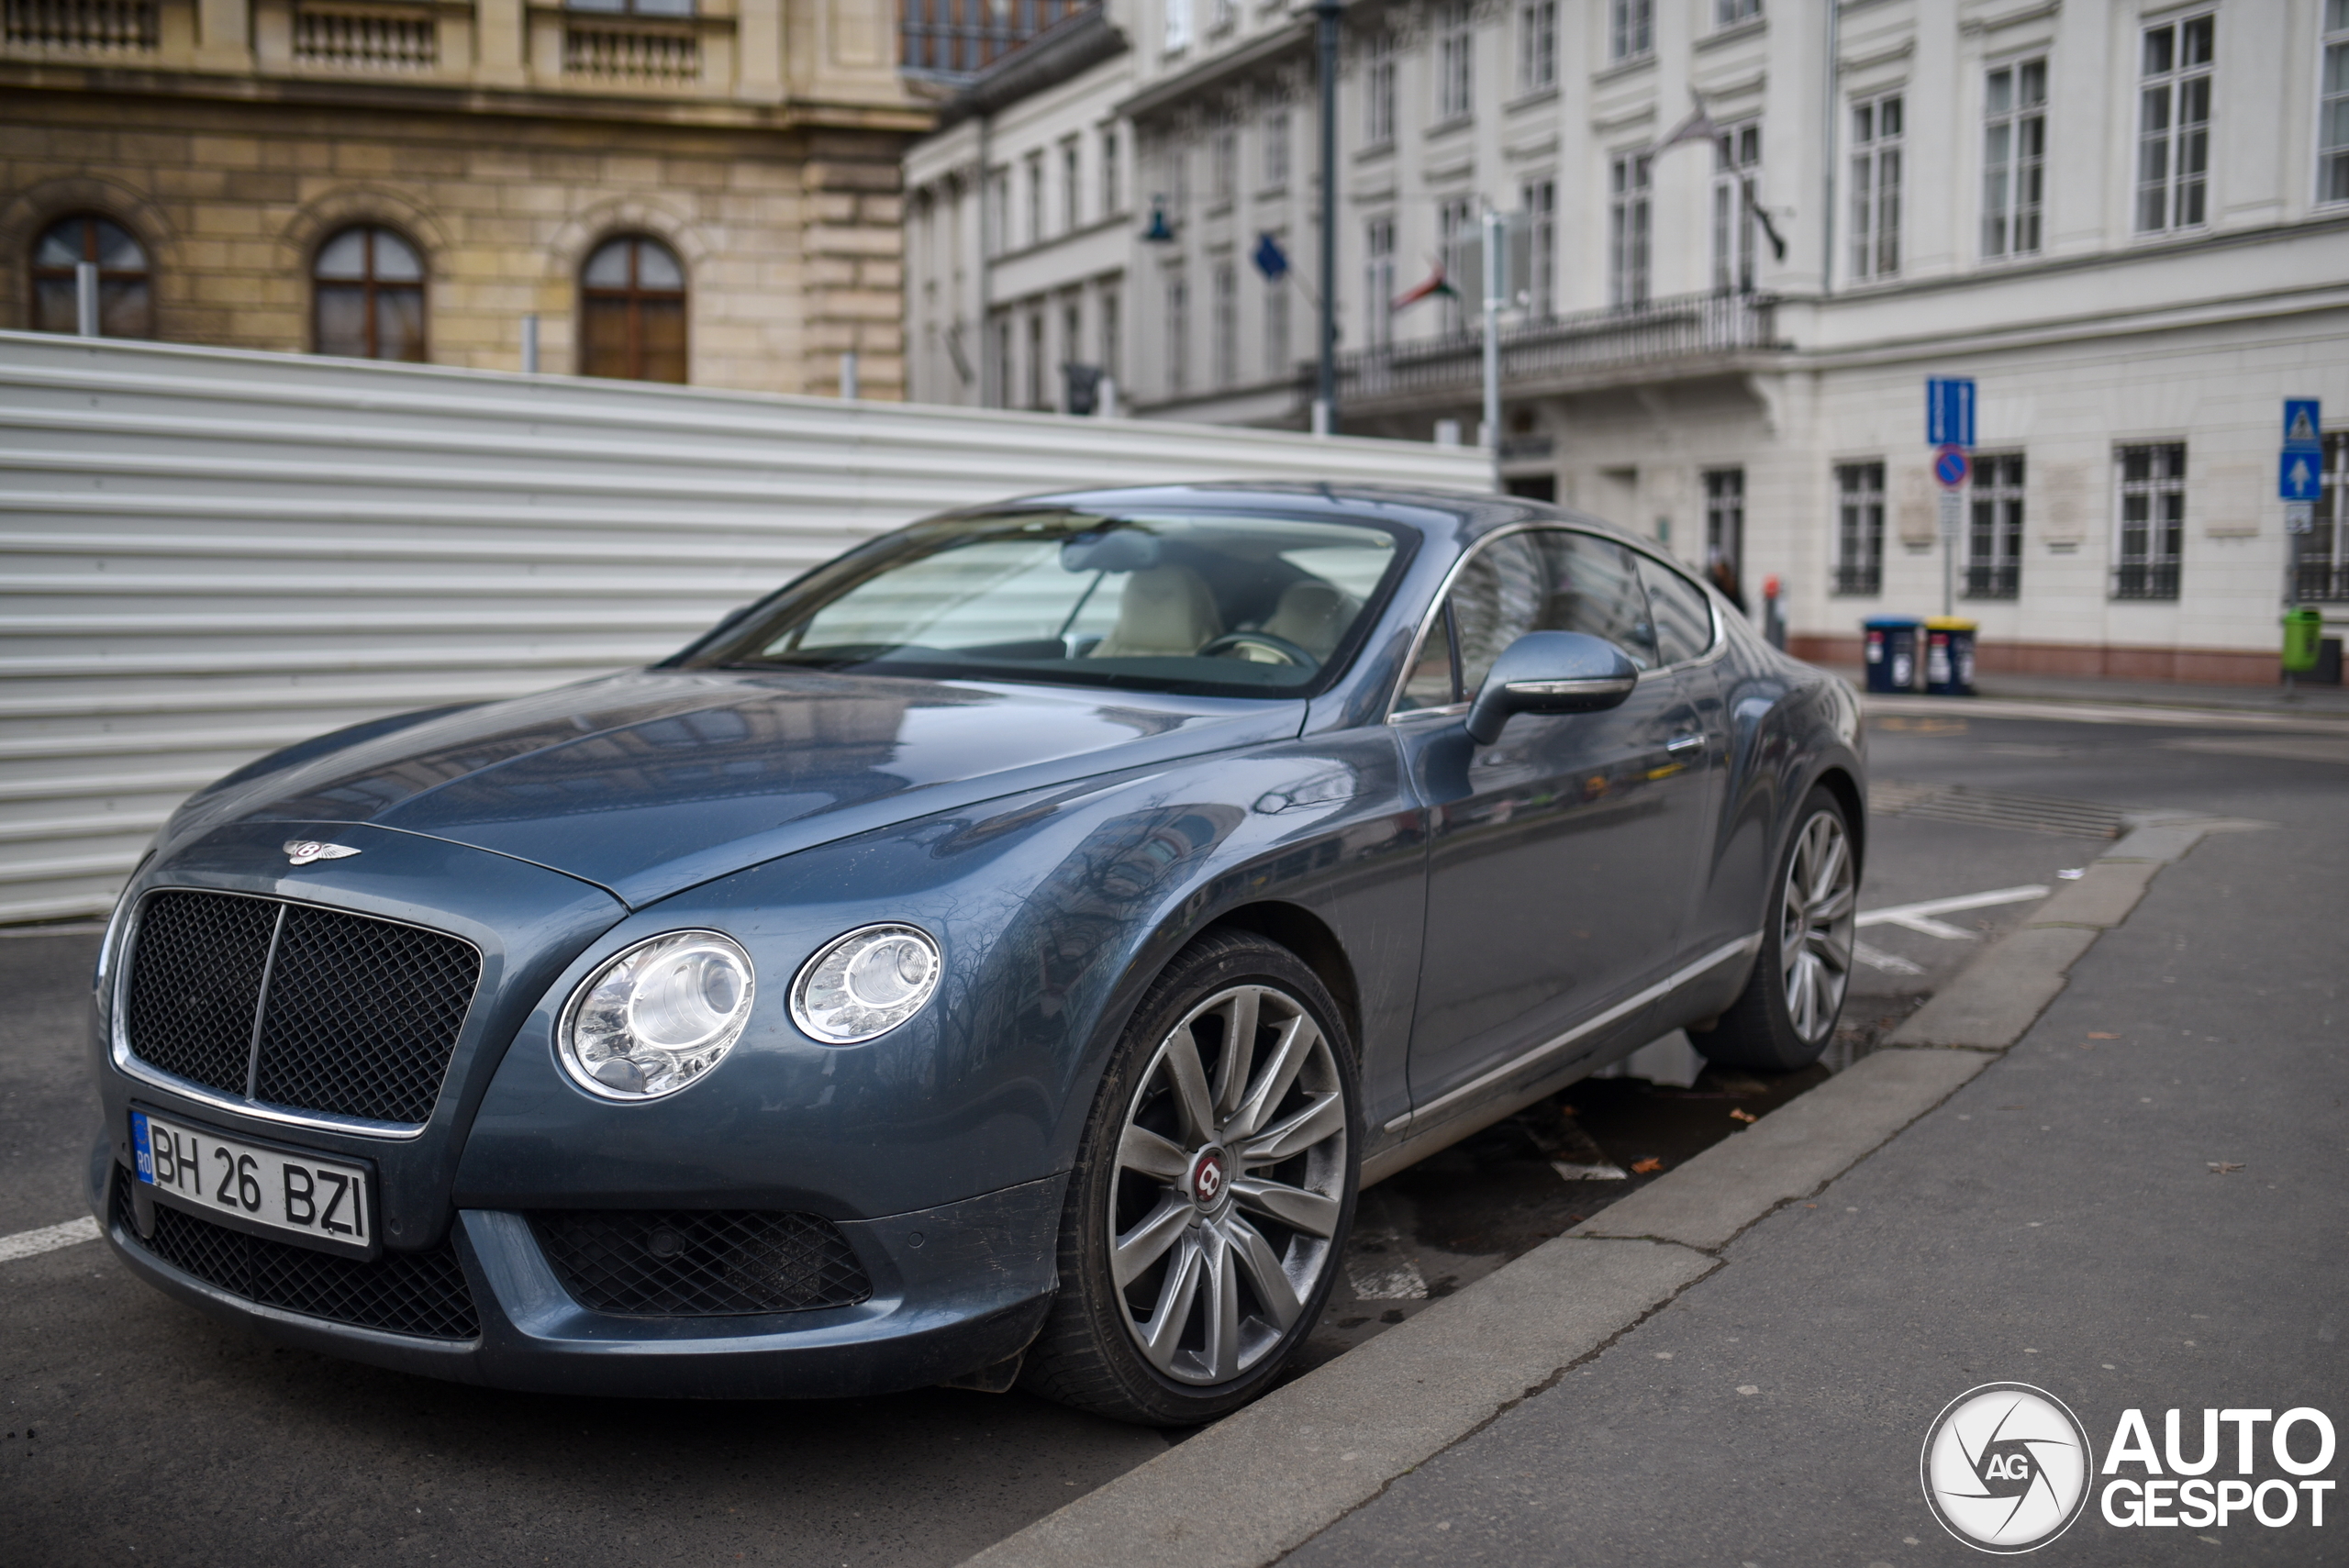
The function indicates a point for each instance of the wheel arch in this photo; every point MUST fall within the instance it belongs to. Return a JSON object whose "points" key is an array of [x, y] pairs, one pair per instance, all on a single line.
{"points": [[1838, 782], [1305, 934]]}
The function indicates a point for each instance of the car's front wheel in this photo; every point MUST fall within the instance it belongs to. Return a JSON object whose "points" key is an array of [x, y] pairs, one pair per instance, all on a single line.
{"points": [[1788, 1012], [1212, 1191]]}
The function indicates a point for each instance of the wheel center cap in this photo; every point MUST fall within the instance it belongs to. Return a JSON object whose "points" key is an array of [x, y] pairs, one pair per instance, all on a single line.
{"points": [[1206, 1178]]}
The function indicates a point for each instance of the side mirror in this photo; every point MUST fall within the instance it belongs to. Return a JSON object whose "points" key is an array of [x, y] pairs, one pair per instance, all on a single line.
{"points": [[1550, 672]]}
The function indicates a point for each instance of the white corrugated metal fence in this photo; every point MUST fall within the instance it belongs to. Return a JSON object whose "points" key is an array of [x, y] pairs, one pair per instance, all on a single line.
{"points": [[209, 554]]}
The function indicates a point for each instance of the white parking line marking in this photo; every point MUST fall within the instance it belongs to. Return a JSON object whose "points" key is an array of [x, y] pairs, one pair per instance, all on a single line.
{"points": [[1890, 962], [1919, 917], [48, 1239]]}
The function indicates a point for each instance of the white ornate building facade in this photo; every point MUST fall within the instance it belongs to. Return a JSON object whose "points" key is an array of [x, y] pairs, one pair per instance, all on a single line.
{"points": [[2127, 220]]}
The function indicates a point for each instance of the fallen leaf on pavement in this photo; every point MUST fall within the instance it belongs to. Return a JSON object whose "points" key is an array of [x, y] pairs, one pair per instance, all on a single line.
{"points": [[2217, 1167], [2095, 1035], [1742, 1114], [1647, 1167]]}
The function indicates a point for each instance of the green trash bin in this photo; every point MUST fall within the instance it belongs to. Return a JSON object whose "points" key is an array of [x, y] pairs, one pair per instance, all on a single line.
{"points": [[2303, 640]]}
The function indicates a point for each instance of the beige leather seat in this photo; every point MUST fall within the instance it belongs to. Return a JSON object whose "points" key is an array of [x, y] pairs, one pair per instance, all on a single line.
{"points": [[1313, 614], [1162, 611]]}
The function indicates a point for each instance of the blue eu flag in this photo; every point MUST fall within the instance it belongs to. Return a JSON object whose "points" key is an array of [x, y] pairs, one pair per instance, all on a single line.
{"points": [[1270, 259]]}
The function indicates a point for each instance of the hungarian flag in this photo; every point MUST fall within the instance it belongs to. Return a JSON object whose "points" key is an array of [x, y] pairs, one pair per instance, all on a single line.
{"points": [[1437, 285]]}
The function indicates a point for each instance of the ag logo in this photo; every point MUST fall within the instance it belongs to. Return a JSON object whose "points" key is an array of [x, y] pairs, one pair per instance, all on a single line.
{"points": [[2006, 1467]]}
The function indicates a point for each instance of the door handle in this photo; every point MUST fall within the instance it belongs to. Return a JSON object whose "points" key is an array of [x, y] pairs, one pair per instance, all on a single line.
{"points": [[1680, 744]]}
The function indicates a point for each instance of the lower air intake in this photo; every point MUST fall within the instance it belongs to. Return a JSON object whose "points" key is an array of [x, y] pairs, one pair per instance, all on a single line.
{"points": [[700, 1263]]}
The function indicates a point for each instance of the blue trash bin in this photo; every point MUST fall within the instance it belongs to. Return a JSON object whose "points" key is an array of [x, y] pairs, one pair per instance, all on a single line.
{"points": [[1892, 652], [1949, 656]]}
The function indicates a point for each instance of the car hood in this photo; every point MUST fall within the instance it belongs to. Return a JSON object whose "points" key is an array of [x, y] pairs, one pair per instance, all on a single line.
{"points": [[652, 782]]}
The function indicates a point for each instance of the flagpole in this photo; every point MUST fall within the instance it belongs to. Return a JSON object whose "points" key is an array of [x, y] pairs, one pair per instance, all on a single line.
{"points": [[1326, 17]]}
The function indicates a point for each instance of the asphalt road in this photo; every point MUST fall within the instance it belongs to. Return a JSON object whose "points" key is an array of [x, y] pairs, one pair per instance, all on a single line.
{"points": [[137, 1430], [2057, 1222]]}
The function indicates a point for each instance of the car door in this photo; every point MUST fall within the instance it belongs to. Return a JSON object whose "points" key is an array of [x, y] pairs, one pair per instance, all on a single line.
{"points": [[1560, 860]]}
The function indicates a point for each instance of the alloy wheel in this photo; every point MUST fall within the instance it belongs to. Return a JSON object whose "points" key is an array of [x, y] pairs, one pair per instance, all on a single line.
{"points": [[1229, 1186], [1816, 926]]}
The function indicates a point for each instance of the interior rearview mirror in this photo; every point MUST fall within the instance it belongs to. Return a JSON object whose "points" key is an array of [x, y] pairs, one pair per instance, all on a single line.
{"points": [[1550, 672]]}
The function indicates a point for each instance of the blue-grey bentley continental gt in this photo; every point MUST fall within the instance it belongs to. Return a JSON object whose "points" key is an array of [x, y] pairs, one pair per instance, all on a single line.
{"points": [[1001, 955]]}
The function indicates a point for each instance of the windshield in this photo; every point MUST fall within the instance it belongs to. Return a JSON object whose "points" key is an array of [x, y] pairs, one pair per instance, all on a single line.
{"points": [[1205, 603]]}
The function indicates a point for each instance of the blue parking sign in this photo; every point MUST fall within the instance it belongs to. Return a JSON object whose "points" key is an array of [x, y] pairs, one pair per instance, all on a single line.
{"points": [[1949, 411], [2297, 475]]}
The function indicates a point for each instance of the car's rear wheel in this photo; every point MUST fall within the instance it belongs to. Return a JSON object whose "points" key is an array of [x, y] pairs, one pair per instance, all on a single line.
{"points": [[1788, 1012], [1212, 1192]]}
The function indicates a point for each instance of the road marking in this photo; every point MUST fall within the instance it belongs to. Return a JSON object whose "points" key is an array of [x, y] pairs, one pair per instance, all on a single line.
{"points": [[1890, 962], [48, 1239], [1919, 917]]}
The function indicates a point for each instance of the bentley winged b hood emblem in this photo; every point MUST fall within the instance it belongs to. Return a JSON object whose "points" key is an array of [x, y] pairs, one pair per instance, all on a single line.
{"points": [[302, 852]]}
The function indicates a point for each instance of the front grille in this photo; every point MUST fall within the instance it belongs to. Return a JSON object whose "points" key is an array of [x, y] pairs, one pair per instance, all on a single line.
{"points": [[306, 1008], [422, 1293], [700, 1263]]}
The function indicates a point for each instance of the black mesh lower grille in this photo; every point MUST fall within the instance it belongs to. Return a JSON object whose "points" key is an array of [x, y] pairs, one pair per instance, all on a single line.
{"points": [[196, 983], [700, 1263], [360, 1018], [361, 1014], [421, 1294]]}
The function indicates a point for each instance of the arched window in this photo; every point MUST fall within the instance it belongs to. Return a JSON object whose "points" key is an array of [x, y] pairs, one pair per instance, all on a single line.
{"points": [[632, 312], [368, 295], [126, 292]]}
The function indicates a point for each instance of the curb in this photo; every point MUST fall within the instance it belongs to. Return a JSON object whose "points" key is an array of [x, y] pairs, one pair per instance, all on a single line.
{"points": [[2328, 722]]}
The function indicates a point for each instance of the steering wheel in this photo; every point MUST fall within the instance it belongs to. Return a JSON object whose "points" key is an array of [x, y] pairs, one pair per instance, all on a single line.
{"points": [[1232, 643]]}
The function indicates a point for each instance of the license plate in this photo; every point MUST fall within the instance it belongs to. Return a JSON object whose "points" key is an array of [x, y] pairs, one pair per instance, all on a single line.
{"points": [[277, 1192]]}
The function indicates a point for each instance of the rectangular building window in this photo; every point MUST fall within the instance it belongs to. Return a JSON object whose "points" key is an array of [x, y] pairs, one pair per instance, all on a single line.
{"points": [[1378, 282], [1227, 324], [1456, 229], [1379, 90], [1737, 185], [1631, 28], [1725, 524], [1729, 13], [1276, 350], [1538, 201], [1038, 395], [1113, 196], [1875, 187], [1072, 192], [1035, 169], [1110, 325], [996, 220], [2321, 558], [1537, 45], [1276, 147], [1224, 164], [1456, 71], [2152, 521], [1177, 36], [1178, 334], [2174, 125], [2333, 109], [2014, 157], [1859, 527], [1627, 230], [1004, 366], [1993, 538]]}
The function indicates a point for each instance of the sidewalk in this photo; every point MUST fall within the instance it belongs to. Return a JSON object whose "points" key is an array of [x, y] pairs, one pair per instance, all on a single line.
{"points": [[2330, 702]]}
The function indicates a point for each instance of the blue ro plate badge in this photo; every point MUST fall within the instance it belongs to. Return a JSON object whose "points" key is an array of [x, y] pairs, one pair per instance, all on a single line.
{"points": [[293, 1194]]}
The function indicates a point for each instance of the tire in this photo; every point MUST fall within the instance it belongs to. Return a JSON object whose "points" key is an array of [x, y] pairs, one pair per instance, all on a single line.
{"points": [[1787, 1013], [1249, 1212]]}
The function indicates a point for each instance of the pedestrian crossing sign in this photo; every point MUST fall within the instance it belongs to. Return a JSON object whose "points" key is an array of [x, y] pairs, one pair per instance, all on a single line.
{"points": [[2301, 422]]}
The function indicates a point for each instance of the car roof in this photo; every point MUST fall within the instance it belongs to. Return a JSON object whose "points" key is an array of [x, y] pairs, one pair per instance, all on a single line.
{"points": [[1459, 516]]}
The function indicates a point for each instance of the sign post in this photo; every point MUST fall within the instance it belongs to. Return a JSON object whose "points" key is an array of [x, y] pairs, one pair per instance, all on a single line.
{"points": [[1949, 425], [1951, 466], [2300, 471]]}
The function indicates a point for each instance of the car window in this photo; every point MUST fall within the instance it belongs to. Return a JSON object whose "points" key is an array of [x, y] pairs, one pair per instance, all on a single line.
{"points": [[1548, 580], [1429, 684], [1221, 603], [1684, 619]]}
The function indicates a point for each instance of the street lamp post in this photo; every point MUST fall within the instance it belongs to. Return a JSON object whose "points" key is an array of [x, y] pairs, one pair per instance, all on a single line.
{"points": [[1326, 16]]}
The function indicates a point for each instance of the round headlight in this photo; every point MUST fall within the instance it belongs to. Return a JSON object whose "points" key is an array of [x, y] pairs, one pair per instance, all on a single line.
{"points": [[865, 984], [657, 1017]]}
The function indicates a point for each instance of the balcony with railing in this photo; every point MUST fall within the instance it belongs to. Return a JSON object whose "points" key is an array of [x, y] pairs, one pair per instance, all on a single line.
{"points": [[396, 37], [79, 28], [2320, 580], [1657, 339]]}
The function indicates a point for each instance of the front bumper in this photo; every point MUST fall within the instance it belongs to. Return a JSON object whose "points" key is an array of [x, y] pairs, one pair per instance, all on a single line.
{"points": [[954, 1288]]}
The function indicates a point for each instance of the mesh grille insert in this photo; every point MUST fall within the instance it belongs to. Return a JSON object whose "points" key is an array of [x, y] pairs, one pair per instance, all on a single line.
{"points": [[359, 1019], [195, 982], [421, 1294], [700, 1263], [363, 1015]]}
